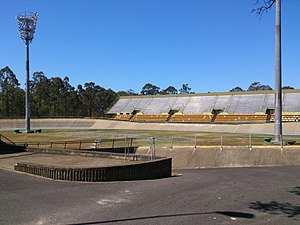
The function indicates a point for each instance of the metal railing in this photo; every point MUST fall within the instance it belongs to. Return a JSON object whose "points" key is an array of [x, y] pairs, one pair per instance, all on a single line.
{"points": [[5, 139]]}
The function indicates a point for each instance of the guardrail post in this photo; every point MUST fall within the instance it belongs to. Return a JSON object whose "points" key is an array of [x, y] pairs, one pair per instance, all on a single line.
{"points": [[125, 149], [172, 141], [250, 142], [221, 143], [281, 143], [153, 148]]}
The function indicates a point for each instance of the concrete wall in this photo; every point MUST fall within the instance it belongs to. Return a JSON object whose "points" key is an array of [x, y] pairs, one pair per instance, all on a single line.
{"points": [[215, 157]]}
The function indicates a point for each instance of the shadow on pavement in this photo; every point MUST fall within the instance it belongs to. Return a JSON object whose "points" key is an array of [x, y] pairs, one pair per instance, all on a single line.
{"points": [[225, 213], [275, 207]]}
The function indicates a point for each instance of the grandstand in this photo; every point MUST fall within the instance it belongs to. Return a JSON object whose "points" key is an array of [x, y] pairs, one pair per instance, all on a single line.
{"points": [[229, 107]]}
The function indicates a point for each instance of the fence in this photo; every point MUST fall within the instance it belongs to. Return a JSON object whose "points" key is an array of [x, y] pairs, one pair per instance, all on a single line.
{"points": [[129, 144]]}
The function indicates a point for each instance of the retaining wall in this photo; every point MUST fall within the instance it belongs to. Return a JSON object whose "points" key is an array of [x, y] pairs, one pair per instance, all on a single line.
{"points": [[215, 157], [146, 169]]}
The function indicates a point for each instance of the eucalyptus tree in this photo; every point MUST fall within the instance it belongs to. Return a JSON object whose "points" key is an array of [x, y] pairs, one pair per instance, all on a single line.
{"points": [[10, 92], [40, 92], [150, 89], [171, 90], [185, 89]]}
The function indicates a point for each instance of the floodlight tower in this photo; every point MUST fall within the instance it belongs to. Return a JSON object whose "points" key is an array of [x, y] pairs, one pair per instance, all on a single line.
{"points": [[27, 24]]}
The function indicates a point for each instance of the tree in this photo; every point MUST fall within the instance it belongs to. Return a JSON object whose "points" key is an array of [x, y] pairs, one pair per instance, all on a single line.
{"points": [[257, 86], [185, 89], [39, 87], [56, 91], [263, 6], [106, 99], [287, 87], [129, 92], [169, 91], [150, 89], [237, 89], [9, 94]]}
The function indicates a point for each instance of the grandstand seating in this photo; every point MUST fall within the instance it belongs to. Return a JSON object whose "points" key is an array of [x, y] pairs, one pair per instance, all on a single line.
{"points": [[229, 118], [288, 118], [208, 107], [205, 118], [123, 116], [150, 117], [194, 118]]}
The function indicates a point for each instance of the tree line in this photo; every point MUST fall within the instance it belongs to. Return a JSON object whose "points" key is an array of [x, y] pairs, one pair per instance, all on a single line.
{"points": [[56, 97], [257, 86], [151, 89], [52, 97]]}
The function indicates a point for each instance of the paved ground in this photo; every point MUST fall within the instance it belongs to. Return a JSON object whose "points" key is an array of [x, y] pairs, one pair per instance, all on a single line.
{"points": [[207, 196]]}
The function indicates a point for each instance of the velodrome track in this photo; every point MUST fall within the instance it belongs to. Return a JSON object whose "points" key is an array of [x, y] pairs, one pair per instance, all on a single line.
{"points": [[290, 128]]}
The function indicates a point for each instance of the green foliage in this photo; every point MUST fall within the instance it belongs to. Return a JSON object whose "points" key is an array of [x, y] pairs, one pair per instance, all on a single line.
{"points": [[291, 142], [257, 86], [129, 92], [10, 94], [237, 89], [52, 97], [287, 87], [150, 89], [268, 140], [185, 89], [169, 91]]}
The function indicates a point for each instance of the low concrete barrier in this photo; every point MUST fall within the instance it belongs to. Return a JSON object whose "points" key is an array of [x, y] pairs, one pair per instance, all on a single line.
{"points": [[229, 156], [155, 169], [145, 169]]}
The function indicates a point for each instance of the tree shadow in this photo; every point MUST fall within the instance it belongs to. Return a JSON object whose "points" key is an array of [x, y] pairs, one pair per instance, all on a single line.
{"points": [[296, 190], [225, 213], [275, 207]]}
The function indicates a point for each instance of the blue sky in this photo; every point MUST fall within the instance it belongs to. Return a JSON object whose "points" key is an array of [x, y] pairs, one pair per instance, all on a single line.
{"points": [[124, 44]]}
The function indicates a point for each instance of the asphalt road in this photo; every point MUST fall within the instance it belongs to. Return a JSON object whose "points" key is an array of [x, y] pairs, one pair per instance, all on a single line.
{"points": [[205, 196]]}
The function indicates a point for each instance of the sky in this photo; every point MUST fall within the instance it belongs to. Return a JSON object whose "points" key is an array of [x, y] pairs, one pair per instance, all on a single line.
{"points": [[212, 46]]}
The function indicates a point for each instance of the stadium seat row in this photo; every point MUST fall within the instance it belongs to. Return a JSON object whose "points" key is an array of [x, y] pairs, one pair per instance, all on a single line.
{"points": [[205, 118]]}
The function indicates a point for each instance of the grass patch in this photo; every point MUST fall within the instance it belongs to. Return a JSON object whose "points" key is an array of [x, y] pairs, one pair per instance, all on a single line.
{"points": [[142, 137]]}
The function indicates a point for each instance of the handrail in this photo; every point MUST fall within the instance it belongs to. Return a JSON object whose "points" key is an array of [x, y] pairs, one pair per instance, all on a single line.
{"points": [[97, 143], [7, 139]]}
